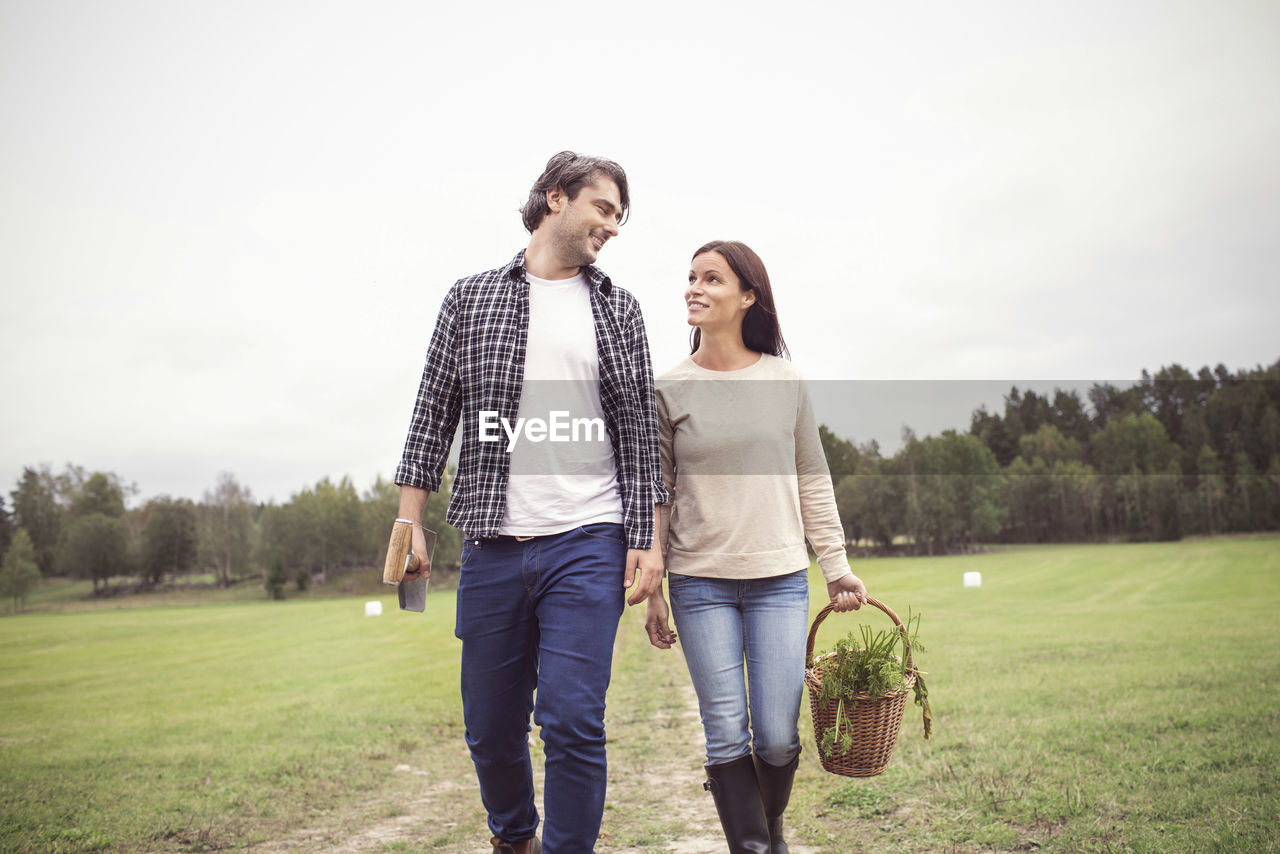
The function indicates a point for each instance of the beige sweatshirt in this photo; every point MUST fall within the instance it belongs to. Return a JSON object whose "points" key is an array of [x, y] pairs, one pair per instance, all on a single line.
{"points": [[748, 479]]}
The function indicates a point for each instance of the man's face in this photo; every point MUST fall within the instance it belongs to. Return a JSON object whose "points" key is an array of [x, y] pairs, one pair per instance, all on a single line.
{"points": [[580, 228]]}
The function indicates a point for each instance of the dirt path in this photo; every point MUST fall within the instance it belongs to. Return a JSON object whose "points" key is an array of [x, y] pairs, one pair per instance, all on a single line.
{"points": [[656, 804]]}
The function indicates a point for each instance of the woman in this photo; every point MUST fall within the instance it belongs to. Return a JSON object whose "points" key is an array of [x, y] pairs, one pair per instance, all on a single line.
{"points": [[741, 454]]}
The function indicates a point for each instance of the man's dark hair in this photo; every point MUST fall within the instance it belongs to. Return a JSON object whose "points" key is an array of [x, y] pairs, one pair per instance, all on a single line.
{"points": [[569, 173]]}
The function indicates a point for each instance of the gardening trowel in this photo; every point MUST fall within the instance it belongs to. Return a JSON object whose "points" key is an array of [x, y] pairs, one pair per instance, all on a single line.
{"points": [[401, 559]]}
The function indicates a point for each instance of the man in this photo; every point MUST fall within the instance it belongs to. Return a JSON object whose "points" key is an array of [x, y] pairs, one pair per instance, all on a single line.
{"points": [[554, 530]]}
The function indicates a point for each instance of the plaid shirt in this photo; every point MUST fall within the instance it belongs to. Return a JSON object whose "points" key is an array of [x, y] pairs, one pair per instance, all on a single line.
{"points": [[475, 362]]}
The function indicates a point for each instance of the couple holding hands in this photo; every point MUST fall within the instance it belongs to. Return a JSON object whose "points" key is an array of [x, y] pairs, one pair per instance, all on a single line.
{"points": [[713, 477]]}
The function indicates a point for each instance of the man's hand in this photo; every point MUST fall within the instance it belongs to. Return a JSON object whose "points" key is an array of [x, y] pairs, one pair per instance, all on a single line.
{"points": [[418, 542], [412, 502], [847, 593], [647, 565], [656, 625]]}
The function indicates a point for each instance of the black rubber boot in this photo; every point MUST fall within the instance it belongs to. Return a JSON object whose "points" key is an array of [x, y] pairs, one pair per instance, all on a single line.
{"points": [[737, 796], [775, 791]]}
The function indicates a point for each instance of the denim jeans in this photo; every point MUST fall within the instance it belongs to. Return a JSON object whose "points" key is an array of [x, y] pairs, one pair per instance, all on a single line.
{"points": [[763, 622], [540, 614]]}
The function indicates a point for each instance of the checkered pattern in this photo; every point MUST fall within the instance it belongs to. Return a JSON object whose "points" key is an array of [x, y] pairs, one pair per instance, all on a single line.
{"points": [[476, 362]]}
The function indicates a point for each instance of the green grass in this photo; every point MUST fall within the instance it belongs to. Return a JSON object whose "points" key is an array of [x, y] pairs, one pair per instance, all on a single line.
{"points": [[1090, 698], [64, 594], [200, 726]]}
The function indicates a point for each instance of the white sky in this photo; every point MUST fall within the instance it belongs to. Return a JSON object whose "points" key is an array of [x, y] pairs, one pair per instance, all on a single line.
{"points": [[225, 228]]}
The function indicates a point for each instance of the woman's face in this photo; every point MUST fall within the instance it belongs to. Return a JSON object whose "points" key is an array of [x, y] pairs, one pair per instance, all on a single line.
{"points": [[715, 298]]}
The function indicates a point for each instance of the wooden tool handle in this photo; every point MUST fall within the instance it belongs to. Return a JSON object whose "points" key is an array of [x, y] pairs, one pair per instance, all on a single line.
{"points": [[399, 556]]}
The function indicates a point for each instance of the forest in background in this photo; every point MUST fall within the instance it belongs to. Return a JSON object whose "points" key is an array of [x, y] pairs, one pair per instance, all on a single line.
{"points": [[75, 524], [1176, 454]]}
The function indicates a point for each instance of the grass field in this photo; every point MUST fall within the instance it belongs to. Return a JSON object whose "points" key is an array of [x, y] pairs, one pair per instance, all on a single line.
{"points": [[1085, 698]]}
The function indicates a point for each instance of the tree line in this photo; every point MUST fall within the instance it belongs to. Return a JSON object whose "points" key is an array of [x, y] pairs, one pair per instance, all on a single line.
{"points": [[1176, 454], [75, 524]]}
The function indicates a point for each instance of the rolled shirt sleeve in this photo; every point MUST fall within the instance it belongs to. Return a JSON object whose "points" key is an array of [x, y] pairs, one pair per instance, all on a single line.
{"points": [[436, 409]]}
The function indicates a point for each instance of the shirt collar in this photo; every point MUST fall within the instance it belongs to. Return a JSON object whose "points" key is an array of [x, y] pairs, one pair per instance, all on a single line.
{"points": [[514, 272]]}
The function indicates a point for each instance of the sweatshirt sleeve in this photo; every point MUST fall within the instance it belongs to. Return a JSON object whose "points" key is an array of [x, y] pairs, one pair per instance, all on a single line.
{"points": [[818, 510], [666, 456]]}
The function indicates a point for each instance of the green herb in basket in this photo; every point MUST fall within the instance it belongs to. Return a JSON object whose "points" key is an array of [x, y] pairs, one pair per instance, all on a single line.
{"points": [[868, 665]]}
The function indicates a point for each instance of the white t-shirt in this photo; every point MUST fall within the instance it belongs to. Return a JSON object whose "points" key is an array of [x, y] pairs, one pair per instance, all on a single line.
{"points": [[563, 472]]}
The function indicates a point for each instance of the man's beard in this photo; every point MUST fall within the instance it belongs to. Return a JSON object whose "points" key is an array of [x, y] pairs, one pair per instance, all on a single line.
{"points": [[574, 250]]}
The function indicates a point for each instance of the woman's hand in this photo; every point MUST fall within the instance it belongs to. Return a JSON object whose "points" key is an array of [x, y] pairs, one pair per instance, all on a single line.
{"points": [[656, 623], [847, 593]]}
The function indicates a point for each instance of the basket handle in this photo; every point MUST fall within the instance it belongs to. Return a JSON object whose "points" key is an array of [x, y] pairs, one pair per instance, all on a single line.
{"points": [[822, 615]]}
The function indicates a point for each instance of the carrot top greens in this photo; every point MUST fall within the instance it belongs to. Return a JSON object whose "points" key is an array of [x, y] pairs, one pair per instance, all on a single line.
{"points": [[866, 666]]}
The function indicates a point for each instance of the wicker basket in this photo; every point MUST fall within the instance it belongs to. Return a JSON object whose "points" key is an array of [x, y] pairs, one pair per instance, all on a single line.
{"points": [[873, 723]]}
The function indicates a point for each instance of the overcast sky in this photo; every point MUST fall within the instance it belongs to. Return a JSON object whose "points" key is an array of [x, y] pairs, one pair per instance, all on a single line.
{"points": [[225, 228]]}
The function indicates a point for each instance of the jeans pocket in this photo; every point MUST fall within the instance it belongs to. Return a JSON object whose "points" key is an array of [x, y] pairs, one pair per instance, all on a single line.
{"points": [[609, 531]]}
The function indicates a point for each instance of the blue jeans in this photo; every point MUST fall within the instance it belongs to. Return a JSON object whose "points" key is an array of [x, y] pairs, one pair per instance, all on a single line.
{"points": [[540, 614], [764, 622]]}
